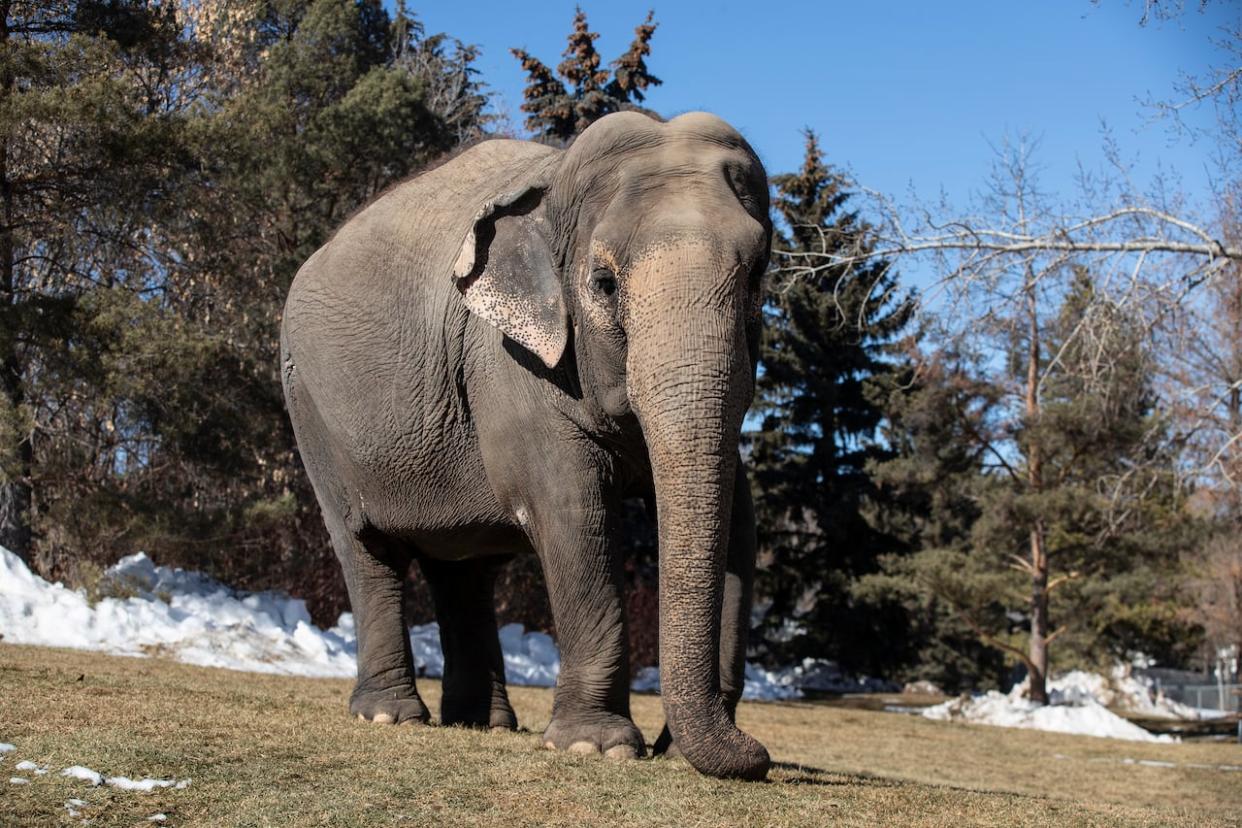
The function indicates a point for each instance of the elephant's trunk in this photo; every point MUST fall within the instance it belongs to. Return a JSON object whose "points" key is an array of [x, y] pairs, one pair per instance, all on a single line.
{"points": [[690, 382]]}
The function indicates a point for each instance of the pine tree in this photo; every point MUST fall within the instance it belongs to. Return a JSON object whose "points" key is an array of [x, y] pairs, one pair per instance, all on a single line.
{"points": [[557, 110], [829, 340], [1109, 513], [933, 482], [163, 173], [87, 147]]}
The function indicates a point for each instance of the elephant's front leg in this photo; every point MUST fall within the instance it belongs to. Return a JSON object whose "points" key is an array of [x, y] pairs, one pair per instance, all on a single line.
{"points": [[577, 545]]}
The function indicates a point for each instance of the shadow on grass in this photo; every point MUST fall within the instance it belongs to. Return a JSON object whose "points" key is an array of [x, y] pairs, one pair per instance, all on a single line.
{"points": [[811, 775]]}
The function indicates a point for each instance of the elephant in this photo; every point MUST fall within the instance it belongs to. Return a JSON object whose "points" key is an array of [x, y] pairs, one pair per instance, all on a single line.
{"points": [[486, 359]]}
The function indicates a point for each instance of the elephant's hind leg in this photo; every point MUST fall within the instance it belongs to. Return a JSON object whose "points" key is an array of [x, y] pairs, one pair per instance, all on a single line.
{"points": [[374, 570], [474, 669]]}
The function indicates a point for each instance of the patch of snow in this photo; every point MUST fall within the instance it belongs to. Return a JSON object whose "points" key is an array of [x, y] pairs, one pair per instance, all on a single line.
{"points": [[5, 747], [647, 680], [1121, 690], [157, 818], [530, 658], [27, 765], [1068, 712], [145, 785], [85, 774], [72, 806], [18, 780], [195, 619]]}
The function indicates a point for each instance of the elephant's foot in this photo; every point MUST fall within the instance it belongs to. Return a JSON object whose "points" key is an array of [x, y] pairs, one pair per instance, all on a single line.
{"points": [[492, 711], [614, 736], [396, 706]]}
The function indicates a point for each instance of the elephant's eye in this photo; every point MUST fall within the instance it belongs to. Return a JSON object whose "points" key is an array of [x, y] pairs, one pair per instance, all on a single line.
{"points": [[603, 282]]}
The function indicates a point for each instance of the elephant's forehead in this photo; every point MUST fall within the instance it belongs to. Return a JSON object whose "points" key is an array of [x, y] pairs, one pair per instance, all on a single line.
{"points": [[636, 141]]}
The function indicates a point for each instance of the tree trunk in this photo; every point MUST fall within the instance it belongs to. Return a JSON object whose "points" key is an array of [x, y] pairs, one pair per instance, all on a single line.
{"points": [[16, 467], [1038, 666], [1038, 651]]}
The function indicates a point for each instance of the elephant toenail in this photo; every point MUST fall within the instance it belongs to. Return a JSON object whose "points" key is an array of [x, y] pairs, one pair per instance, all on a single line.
{"points": [[621, 753], [383, 718], [583, 747]]}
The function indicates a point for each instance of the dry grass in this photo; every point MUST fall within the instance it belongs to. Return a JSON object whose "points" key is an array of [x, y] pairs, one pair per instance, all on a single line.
{"points": [[266, 750]]}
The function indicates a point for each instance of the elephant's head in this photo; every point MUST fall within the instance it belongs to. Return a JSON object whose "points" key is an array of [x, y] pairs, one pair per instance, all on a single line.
{"points": [[643, 245]]}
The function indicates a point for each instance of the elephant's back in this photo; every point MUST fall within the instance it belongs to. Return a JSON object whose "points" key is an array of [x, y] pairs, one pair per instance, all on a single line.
{"points": [[403, 244], [381, 288], [376, 331]]}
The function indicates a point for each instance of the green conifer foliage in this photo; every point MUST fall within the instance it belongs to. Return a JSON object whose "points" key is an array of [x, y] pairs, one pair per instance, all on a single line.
{"points": [[830, 339], [164, 170], [558, 109], [1112, 518]]}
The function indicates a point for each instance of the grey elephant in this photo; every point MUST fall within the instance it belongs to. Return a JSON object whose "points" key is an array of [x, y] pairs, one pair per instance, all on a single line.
{"points": [[487, 359]]}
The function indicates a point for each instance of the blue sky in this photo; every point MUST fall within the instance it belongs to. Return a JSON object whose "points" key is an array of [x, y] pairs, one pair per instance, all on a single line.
{"points": [[901, 92]]}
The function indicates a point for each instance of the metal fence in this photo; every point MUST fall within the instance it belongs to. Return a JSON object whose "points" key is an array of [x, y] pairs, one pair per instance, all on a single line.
{"points": [[1226, 697]]}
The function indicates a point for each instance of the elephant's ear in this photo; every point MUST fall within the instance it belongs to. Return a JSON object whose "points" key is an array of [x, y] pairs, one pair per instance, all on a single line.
{"points": [[506, 274]]}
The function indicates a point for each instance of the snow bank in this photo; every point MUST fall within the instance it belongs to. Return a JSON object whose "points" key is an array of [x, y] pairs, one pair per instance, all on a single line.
{"points": [[195, 619], [792, 682], [192, 618], [1124, 691], [185, 615], [1077, 705]]}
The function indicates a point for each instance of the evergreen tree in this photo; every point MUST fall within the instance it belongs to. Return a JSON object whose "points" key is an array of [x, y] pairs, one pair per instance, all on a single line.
{"points": [[1110, 517], [829, 338], [933, 483], [331, 111], [88, 147], [163, 175], [557, 110]]}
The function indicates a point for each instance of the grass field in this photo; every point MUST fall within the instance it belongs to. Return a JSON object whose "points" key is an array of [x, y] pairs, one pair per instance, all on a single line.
{"points": [[267, 750]]}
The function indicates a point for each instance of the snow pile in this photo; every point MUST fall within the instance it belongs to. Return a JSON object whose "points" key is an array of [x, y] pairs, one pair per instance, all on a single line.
{"points": [[793, 682], [198, 620], [530, 658], [1121, 691], [1076, 706], [821, 676], [1124, 691], [185, 615], [195, 619], [760, 684]]}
